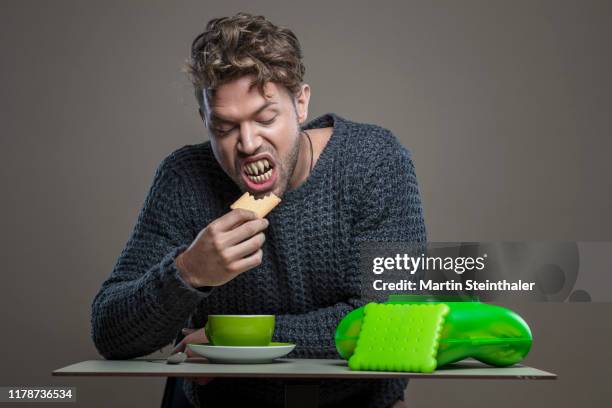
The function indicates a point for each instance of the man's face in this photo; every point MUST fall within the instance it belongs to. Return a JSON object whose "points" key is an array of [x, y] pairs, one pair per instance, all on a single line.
{"points": [[255, 136]]}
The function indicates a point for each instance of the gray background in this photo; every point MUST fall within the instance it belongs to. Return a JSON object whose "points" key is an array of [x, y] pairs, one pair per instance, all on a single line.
{"points": [[505, 106]]}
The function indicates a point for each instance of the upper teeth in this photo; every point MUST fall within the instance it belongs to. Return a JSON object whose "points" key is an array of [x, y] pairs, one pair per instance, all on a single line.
{"points": [[258, 167]]}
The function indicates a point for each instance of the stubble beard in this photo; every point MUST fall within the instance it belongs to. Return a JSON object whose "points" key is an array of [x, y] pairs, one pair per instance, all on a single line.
{"points": [[289, 165]]}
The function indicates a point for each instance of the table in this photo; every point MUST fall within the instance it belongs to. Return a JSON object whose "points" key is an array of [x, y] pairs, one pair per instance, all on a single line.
{"points": [[297, 394]]}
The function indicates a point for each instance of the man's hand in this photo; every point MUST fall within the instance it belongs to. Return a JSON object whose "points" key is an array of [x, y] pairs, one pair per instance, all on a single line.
{"points": [[224, 249], [194, 337]]}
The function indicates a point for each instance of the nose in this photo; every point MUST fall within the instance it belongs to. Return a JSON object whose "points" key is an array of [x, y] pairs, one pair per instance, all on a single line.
{"points": [[249, 141]]}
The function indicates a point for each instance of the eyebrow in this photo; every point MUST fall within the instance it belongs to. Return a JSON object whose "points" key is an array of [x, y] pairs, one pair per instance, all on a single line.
{"points": [[218, 118]]}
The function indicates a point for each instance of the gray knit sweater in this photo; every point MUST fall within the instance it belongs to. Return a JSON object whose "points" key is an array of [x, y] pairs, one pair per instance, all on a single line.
{"points": [[362, 188]]}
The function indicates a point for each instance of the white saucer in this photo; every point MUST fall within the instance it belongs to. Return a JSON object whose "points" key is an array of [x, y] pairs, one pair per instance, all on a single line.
{"points": [[242, 355]]}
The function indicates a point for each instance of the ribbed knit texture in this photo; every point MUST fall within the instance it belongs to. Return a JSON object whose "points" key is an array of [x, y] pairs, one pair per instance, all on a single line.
{"points": [[362, 188]]}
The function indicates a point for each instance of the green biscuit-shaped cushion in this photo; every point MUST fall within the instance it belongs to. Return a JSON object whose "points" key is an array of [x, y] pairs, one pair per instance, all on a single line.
{"points": [[399, 337]]}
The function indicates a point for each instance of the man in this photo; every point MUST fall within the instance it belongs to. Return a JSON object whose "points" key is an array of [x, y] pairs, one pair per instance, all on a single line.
{"points": [[189, 256]]}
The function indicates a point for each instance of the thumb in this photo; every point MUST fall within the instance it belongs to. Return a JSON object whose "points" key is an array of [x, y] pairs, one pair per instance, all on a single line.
{"points": [[183, 343], [179, 347], [195, 337]]}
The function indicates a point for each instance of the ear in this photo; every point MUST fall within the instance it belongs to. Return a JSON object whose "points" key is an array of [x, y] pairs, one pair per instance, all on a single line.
{"points": [[301, 103]]}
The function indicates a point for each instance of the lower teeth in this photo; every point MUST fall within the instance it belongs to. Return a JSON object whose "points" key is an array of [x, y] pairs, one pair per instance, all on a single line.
{"points": [[260, 178]]}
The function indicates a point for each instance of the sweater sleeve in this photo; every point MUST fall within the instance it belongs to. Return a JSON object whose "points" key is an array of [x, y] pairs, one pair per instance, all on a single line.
{"points": [[144, 302], [386, 208]]}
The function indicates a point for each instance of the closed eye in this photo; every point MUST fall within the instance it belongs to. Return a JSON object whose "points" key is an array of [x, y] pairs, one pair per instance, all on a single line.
{"points": [[220, 125], [267, 122], [223, 130]]}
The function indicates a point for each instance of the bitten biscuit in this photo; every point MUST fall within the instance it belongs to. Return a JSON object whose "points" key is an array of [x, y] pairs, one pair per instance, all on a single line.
{"points": [[261, 207]]}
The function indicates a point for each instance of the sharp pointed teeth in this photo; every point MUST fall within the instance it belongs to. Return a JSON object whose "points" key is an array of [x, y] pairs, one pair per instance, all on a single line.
{"points": [[259, 171]]}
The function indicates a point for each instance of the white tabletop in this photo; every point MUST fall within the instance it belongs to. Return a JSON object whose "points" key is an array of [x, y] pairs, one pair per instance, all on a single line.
{"points": [[287, 368]]}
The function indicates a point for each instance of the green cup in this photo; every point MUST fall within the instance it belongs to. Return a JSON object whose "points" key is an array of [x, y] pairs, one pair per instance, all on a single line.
{"points": [[240, 330]]}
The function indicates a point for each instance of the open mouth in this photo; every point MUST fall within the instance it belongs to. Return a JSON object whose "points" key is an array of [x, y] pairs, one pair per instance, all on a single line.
{"points": [[260, 175], [259, 171]]}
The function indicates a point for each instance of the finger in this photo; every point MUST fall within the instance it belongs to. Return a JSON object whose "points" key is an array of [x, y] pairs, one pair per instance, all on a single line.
{"points": [[195, 337], [179, 347], [247, 263], [245, 231], [187, 331], [233, 218], [245, 248]]}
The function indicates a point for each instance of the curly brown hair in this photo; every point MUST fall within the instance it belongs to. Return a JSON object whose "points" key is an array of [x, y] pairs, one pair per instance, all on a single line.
{"points": [[244, 44]]}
